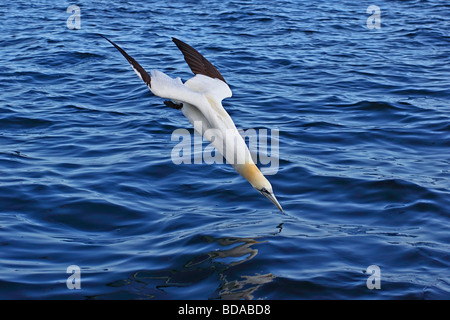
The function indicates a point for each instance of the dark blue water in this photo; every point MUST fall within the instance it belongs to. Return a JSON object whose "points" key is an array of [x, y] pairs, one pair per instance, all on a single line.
{"points": [[86, 176]]}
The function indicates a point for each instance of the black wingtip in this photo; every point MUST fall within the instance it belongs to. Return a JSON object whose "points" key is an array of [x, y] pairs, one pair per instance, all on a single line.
{"points": [[115, 45], [136, 66], [196, 61], [99, 34]]}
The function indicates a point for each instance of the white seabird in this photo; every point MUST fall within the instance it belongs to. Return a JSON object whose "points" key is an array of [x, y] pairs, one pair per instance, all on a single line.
{"points": [[200, 100]]}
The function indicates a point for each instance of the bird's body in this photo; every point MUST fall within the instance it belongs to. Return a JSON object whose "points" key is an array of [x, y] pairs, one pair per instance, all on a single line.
{"points": [[200, 100]]}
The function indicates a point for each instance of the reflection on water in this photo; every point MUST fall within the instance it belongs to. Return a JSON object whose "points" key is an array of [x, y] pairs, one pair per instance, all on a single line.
{"points": [[240, 253], [216, 264], [243, 289]]}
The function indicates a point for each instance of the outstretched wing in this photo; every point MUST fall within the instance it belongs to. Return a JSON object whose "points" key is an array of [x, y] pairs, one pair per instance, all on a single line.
{"points": [[134, 64], [197, 62]]}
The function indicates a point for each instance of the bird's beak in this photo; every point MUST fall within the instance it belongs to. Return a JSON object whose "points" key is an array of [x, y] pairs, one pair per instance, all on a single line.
{"points": [[272, 198]]}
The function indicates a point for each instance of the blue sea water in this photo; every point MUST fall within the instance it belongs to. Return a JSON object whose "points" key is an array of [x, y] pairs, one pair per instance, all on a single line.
{"points": [[87, 179]]}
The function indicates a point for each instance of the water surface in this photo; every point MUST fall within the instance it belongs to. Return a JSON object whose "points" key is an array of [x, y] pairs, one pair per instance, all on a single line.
{"points": [[87, 177]]}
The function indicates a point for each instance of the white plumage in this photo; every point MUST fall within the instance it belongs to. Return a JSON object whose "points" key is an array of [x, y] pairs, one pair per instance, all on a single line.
{"points": [[200, 100]]}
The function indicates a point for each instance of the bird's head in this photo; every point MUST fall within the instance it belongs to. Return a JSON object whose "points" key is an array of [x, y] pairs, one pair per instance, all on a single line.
{"points": [[266, 190], [260, 183]]}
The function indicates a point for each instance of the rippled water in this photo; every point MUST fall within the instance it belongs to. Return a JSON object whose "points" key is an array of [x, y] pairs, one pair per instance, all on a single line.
{"points": [[87, 177]]}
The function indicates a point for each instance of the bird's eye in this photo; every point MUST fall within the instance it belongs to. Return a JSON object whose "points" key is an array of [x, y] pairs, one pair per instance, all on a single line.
{"points": [[264, 190]]}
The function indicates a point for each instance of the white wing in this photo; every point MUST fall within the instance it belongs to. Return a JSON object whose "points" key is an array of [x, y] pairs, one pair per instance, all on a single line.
{"points": [[201, 97], [202, 101]]}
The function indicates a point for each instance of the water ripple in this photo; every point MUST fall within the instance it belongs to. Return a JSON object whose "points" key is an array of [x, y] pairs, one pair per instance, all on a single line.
{"points": [[87, 178]]}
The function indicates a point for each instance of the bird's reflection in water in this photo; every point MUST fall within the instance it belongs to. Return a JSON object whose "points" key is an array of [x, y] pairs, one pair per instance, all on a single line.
{"points": [[242, 252], [216, 264], [244, 288]]}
